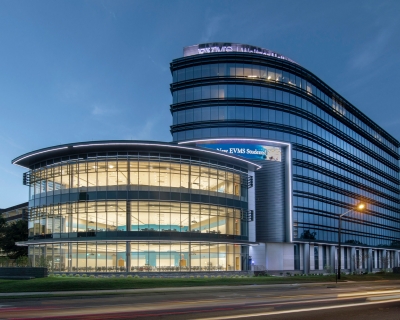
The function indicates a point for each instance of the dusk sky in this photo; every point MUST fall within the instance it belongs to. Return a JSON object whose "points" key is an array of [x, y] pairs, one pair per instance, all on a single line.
{"points": [[95, 70]]}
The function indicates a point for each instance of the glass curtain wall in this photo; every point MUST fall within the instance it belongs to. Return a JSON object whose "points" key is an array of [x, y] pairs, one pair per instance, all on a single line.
{"points": [[339, 156], [74, 219], [139, 175], [144, 256]]}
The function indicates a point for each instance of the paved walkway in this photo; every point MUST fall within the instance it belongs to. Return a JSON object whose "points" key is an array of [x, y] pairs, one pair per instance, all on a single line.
{"points": [[156, 290], [187, 289]]}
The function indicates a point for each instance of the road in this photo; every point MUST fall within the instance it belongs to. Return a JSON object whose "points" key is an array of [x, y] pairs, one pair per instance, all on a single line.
{"points": [[367, 300]]}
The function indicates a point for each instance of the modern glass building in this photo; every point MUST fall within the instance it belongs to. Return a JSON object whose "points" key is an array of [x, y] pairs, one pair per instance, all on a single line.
{"points": [[235, 98], [265, 158], [131, 206]]}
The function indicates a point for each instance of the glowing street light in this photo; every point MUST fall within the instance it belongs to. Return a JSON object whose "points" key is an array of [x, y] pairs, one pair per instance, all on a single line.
{"points": [[359, 207]]}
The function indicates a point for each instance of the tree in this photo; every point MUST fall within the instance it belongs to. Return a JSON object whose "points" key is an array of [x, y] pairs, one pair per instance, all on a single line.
{"points": [[10, 234], [307, 234], [3, 224]]}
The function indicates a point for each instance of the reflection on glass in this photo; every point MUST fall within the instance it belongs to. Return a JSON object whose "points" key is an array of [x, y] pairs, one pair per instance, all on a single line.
{"points": [[92, 176], [144, 257]]}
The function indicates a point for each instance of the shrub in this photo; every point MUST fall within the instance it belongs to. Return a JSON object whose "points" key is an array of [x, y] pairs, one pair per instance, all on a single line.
{"points": [[63, 275], [112, 276], [122, 276], [77, 275], [136, 276], [84, 275], [129, 276], [92, 276]]}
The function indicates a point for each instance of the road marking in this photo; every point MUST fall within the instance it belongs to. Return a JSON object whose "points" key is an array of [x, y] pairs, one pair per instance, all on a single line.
{"points": [[366, 293], [296, 310], [397, 296]]}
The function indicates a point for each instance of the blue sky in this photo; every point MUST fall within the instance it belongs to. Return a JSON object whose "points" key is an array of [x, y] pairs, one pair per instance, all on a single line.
{"points": [[91, 70]]}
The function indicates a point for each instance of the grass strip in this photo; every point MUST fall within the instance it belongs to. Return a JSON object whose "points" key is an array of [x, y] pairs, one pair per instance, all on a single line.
{"points": [[80, 283]]}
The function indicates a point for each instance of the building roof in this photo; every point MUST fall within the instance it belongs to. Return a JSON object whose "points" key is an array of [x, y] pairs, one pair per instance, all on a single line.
{"points": [[17, 206], [27, 160]]}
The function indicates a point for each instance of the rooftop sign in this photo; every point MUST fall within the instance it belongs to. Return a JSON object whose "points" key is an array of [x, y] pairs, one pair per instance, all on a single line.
{"points": [[217, 47]]}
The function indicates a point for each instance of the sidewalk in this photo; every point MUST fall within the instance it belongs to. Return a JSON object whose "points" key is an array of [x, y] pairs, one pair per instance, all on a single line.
{"points": [[155, 290], [86, 293]]}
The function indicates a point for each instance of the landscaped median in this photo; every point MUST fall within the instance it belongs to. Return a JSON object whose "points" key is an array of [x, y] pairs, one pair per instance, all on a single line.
{"points": [[79, 283]]}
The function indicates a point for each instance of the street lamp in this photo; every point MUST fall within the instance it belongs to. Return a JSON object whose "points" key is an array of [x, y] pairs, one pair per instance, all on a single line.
{"points": [[359, 207]]}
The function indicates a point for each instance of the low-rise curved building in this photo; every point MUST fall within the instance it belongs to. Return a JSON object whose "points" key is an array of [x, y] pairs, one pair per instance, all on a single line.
{"points": [[113, 206]]}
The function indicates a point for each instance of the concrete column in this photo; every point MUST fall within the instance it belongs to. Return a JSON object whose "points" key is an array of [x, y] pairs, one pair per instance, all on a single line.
{"points": [[69, 257], [321, 257], [396, 258], [44, 256], [128, 216], [312, 260], [384, 259], [352, 259], [369, 260], [33, 256], [128, 256], [332, 258], [306, 258]]}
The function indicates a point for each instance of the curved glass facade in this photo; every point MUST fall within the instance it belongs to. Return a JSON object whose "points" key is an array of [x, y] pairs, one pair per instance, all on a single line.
{"points": [[140, 256], [135, 211], [73, 219], [339, 156]]}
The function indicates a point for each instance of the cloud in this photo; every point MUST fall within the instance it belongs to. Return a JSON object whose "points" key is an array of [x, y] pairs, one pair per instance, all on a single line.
{"points": [[372, 50], [162, 67], [112, 13], [391, 123], [213, 25], [98, 110], [74, 91], [10, 142], [18, 175], [144, 132]]}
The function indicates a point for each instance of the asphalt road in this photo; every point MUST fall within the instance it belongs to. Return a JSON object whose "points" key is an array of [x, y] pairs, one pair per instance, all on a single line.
{"points": [[368, 300]]}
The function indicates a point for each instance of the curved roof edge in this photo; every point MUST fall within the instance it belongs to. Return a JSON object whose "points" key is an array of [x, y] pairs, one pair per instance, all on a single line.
{"points": [[216, 47], [33, 157], [315, 80]]}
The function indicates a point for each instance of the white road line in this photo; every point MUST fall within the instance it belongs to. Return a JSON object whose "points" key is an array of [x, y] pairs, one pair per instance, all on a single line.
{"points": [[366, 293], [397, 296], [295, 310]]}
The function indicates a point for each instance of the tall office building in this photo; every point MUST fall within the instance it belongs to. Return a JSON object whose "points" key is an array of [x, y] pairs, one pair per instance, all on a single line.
{"points": [[320, 156]]}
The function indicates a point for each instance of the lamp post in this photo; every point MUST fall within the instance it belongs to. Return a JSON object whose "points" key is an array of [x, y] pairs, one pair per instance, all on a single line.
{"points": [[359, 207]]}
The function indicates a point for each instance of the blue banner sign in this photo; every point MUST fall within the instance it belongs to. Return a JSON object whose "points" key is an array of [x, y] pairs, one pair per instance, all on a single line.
{"points": [[249, 151]]}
